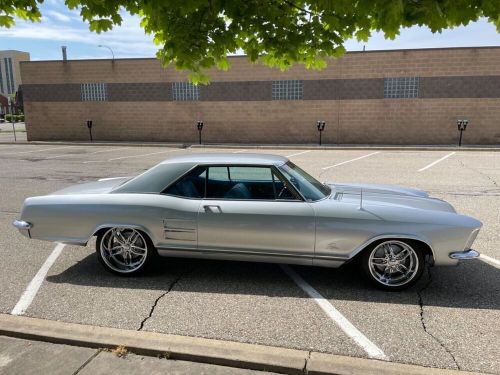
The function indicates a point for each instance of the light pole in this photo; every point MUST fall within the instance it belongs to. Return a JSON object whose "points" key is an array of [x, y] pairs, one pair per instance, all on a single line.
{"points": [[12, 116], [112, 54]]}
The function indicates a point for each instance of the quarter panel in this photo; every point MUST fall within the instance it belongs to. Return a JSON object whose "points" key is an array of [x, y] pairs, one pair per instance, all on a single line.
{"points": [[75, 218]]}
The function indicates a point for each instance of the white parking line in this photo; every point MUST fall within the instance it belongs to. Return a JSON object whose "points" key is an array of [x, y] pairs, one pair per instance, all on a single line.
{"points": [[138, 156], [43, 149], [239, 151], [298, 153], [494, 262], [33, 287], [127, 157], [114, 149], [56, 156], [94, 161], [350, 161], [369, 347], [437, 161]]}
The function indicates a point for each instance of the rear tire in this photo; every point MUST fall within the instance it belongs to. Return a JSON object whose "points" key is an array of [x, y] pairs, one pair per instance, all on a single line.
{"points": [[125, 251], [393, 265]]}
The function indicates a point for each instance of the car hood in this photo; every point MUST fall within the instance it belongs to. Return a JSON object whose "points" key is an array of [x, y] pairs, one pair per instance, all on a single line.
{"points": [[387, 195], [102, 186]]}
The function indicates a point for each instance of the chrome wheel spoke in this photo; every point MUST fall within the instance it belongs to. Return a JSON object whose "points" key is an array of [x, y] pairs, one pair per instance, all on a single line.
{"points": [[403, 254], [136, 250], [116, 250], [132, 238]]}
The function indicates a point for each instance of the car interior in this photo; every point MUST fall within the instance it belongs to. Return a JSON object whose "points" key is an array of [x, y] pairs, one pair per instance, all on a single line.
{"points": [[231, 183]]}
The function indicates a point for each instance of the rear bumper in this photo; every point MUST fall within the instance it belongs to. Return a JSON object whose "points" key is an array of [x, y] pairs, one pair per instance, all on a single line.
{"points": [[467, 254], [20, 224], [23, 226]]}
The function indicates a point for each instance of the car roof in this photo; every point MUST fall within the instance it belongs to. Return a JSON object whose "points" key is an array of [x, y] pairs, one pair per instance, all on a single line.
{"points": [[227, 158]]}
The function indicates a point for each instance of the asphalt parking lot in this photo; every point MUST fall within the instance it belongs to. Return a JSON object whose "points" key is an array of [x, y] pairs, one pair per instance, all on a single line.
{"points": [[450, 319]]}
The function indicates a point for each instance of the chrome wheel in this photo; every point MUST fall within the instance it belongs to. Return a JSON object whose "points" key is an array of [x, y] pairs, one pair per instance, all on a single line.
{"points": [[393, 263], [123, 250]]}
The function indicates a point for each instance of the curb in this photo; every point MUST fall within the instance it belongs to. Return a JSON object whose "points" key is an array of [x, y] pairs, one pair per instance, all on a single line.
{"points": [[265, 147], [194, 349]]}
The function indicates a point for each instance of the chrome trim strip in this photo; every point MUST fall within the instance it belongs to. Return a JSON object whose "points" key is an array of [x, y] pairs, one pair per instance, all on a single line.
{"points": [[461, 255], [257, 253], [21, 224]]}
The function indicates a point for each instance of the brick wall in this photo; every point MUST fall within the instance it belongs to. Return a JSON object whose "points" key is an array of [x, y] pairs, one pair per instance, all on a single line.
{"points": [[237, 107]]}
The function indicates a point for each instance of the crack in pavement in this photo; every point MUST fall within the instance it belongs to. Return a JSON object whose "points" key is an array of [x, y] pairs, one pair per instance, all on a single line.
{"points": [[153, 307], [90, 359], [481, 173], [306, 360], [422, 319]]}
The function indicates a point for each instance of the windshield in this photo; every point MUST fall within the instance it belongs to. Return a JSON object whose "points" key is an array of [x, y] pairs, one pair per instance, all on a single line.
{"points": [[307, 185]]}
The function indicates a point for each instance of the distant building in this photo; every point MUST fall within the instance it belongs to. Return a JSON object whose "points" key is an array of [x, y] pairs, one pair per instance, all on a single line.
{"points": [[372, 97], [10, 73], [3, 106]]}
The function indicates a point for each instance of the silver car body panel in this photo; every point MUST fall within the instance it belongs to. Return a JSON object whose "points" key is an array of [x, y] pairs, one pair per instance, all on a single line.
{"points": [[327, 232]]}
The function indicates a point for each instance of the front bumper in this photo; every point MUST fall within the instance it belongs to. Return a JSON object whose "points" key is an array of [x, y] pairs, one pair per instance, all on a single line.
{"points": [[467, 254]]}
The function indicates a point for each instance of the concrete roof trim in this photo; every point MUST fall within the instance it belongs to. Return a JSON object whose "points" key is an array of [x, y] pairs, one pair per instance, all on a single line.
{"points": [[245, 56]]}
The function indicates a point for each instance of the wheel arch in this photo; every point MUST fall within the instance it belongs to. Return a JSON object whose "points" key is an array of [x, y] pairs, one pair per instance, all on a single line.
{"points": [[103, 227], [426, 247]]}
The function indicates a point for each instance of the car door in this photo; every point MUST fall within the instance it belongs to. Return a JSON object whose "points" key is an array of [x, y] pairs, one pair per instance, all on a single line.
{"points": [[245, 211], [180, 206]]}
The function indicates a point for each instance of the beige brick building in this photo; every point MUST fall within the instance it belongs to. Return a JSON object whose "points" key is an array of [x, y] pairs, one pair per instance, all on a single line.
{"points": [[10, 74], [376, 97]]}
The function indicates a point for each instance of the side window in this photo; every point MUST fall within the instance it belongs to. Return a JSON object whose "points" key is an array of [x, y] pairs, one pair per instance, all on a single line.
{"points": [[191, 185], [283, 192], [245, 182]]}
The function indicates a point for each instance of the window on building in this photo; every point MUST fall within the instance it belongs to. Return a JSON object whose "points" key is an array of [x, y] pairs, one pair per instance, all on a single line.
{"points": [[9, 75], [185, 91], [287, 90], [94, 92], [401, 87], [1, 79]]}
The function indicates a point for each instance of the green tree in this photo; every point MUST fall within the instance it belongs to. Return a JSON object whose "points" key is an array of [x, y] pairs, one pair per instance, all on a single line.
{"points": [[198, 34]]}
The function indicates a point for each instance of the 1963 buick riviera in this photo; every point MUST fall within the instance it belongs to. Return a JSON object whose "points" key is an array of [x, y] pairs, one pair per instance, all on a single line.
{"points": [[253, 207]]}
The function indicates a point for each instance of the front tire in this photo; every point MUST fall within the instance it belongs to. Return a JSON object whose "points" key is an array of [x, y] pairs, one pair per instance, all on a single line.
{"points": [[124, 251], [393, 264]]}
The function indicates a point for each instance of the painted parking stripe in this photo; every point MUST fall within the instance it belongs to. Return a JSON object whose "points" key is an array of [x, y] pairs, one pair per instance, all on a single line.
{"points": [[298, 153], [350, 161], [437, 161], [345, 325], [138, 156], [239, 151], [114, 149], [35, 284], [43, 149], [494, 262], [57, 156]]}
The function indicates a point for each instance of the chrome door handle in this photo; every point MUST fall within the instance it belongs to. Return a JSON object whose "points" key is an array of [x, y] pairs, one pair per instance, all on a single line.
{"points": [[212, 208]]}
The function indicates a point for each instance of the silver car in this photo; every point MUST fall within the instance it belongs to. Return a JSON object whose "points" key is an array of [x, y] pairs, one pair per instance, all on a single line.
{"points": [[253, 207]]}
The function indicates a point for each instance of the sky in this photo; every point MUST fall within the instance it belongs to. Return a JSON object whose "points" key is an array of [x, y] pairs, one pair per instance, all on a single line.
{"points": [[60, 26]]}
